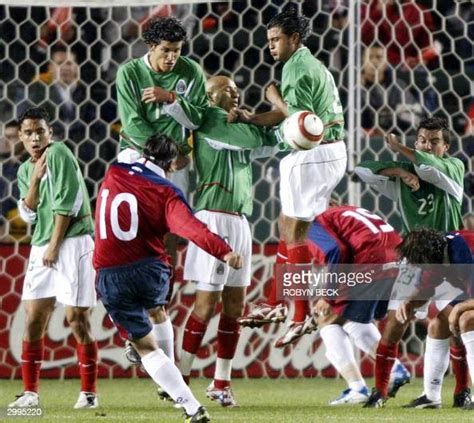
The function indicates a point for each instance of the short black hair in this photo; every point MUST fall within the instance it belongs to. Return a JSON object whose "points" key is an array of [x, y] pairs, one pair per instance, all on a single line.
{"points": [[424, 246], [12, 124], [164, 29], [161, 150], [291, 22], [436, 123], [34, 113]]}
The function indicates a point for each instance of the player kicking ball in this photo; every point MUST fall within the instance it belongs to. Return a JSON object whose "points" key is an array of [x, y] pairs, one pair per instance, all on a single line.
{"points": [[136, 207]]}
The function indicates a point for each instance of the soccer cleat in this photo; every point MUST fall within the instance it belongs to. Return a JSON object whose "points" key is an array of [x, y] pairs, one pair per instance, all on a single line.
{"points": [[26, 399], [376, 400], [295, 331], [463, 399], [400, 376], [224, 397], [162, 394], [423, 402], [87, 400], [132, 355], [350, 396], [201, 416], [262, 314]]}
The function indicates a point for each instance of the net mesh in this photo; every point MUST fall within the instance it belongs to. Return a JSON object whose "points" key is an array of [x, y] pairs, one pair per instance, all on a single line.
{"points": [[66, 59]]}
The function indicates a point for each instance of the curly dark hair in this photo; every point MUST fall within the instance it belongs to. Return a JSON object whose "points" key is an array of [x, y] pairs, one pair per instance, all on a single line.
{"points": [[161, 150], [34, 113], [291, 22], [436, 123], [424, 246], [164, 29]]}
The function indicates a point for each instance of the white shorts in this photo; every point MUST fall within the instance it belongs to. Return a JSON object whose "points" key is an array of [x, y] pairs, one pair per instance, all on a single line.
{"points": [[210, 273], [71, 280], [307, 179], [405, 285], [180, 178]]}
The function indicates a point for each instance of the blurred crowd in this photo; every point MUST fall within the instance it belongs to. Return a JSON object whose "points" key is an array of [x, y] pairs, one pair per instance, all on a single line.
{"points": [[416, 59]]}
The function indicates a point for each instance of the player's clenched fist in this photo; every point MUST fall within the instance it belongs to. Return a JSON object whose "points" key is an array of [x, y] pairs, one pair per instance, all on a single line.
{"points": [[234, 260], [157, 95]]}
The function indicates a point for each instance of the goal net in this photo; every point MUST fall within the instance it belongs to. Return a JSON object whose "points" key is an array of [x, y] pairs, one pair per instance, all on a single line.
{"points": [[390, 73]]}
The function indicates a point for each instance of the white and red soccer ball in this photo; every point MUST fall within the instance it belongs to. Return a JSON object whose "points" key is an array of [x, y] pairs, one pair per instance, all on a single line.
{"points": [[303, 130]]}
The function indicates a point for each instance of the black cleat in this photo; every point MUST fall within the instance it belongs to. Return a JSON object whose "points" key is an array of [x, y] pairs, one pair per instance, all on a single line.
{"points": [[376, 400], [423, 402], [463, 399], [162, 394], [201, 416]]}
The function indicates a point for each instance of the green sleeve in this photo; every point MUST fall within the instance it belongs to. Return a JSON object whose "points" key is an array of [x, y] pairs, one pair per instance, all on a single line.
{"points": [[301, 96], [132, 115], [446, 173], [378, 166], [240, 135], [23, 182], [450, 166], [65, 186], [194, 103]]}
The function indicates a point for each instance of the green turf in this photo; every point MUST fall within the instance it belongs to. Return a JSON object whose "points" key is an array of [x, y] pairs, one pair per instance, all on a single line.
{"points": [[262, 400]]}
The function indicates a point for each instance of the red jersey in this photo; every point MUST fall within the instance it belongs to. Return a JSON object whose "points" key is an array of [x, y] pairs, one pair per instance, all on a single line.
{"points": [[136, 207], [469, 238], [348, 234]]}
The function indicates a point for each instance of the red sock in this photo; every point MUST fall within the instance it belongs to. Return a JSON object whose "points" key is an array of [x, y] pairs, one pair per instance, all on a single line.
{"points": [[281, 258], [194, 331], [87, 356], [301, 310], [221, 384], [228, 334], [299, 254], [385, 357], [460, 367], [31, 359]]}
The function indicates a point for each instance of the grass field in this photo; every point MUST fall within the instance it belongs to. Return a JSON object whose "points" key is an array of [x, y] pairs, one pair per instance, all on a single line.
{"points": [[262, 400]]}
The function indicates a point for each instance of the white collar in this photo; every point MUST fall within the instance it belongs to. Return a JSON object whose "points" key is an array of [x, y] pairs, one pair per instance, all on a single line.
{"points": [[146, 59], [152, 166]]}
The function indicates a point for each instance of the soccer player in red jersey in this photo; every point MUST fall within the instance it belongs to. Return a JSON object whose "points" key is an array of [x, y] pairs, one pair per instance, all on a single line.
{"points": [[137, 206]]}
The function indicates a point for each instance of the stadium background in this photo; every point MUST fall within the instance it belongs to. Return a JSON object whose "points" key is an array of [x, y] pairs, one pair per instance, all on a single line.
{"points": [[225, 37]]}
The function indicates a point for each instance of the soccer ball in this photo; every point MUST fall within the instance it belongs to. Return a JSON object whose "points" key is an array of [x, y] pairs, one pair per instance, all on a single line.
{"points": [[303, 130]]}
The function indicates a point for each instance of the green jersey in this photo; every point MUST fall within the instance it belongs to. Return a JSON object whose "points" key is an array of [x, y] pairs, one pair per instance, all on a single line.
{"points": [[308, 85], [437, 204], [222, 153], [140, 120], [61, 191]]}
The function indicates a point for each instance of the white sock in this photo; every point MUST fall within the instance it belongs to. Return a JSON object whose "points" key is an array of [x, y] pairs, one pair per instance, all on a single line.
{"points": [[341, 355], [186, 362], [164, 336], [435, 365], [166, 374], [468, 341], [366, 337], [223, 369]]}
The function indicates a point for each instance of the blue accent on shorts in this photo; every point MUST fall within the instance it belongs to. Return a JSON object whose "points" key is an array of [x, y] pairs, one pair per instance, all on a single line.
{"points": [[127, 292], [365, 311]]}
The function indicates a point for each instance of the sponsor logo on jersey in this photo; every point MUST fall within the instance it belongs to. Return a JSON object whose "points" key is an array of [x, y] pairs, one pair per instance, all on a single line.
{"points": [[181, 87]]}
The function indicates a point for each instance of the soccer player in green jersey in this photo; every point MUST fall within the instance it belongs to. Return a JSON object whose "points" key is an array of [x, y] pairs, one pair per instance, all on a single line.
{"points": [[222, 154], [53, 197], [428, 190], [307, 178], [161, 92]]}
